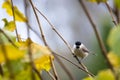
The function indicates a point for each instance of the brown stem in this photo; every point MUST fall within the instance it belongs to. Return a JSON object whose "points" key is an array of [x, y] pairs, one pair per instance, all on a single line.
{"points": [[12, 6], [1, 70], [71, 77], [54, 69], [101, 44], [8, 38], [40, 27], [74, 64], [51, 75], [111, 13]]}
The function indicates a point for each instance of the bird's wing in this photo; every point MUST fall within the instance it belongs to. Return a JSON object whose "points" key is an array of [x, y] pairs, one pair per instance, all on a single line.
{"points": [[85, 49]]}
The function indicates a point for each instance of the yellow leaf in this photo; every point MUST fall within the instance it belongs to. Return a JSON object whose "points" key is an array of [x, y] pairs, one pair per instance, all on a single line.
{"points": [[40, 54], [18, 15], [88, 78], [105, 75], [98, 1], [12, 52], [114, 59], [10, 26]]}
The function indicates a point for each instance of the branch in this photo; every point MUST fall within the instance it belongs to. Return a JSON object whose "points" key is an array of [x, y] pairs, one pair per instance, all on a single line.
{"points": [[13, 12], [1, 70], [51, 75], [40, 27], [111, 13], [101, 44], [8, 38], [74, 64], [71, 77], [54, 69]]}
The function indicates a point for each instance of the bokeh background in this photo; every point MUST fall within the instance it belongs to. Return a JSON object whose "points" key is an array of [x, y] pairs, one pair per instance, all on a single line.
{"points": [[71, 22]]}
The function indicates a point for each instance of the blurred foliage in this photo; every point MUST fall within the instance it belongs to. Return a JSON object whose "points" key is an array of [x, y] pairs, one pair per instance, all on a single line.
{"points": [[98, 1], [18, 15], [10, 26], [113, 40], [113, 56], [16, 60], [117, 3]]}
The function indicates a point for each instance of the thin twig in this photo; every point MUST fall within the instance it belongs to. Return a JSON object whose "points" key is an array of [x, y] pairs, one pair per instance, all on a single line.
{"points": [[12, 6], [8, 38], [38, 22], [54, 69], [101, 44], [68, 45], [27, 23], [71, 77], [1, 70], [111, 13], [30, 54], [74, 64], [51, 75]]}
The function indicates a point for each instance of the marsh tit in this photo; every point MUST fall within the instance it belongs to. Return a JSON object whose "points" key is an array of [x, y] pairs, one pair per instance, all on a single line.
{"points": [[80, 50]]}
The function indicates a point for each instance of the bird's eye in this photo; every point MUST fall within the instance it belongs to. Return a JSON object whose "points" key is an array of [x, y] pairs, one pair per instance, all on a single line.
{"points": [[77, 43]]}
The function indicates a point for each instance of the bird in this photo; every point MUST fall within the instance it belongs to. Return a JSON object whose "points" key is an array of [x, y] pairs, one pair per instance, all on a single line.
{"points": [[80, 50]]}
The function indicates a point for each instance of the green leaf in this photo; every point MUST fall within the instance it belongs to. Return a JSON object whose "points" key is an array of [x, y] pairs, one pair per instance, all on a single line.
{"points": [[98, 1], [10, 26], [114, 40], [117, 3]]}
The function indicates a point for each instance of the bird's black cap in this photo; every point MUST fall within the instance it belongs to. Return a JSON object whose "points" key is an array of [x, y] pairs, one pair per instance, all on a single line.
{"points": [[77, 43]]}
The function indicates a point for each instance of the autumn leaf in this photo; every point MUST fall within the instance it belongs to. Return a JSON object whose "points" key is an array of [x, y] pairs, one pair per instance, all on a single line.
{"points": [[12, 52], [41, 54], [10, 26], [105, 75], [18, 15]]}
